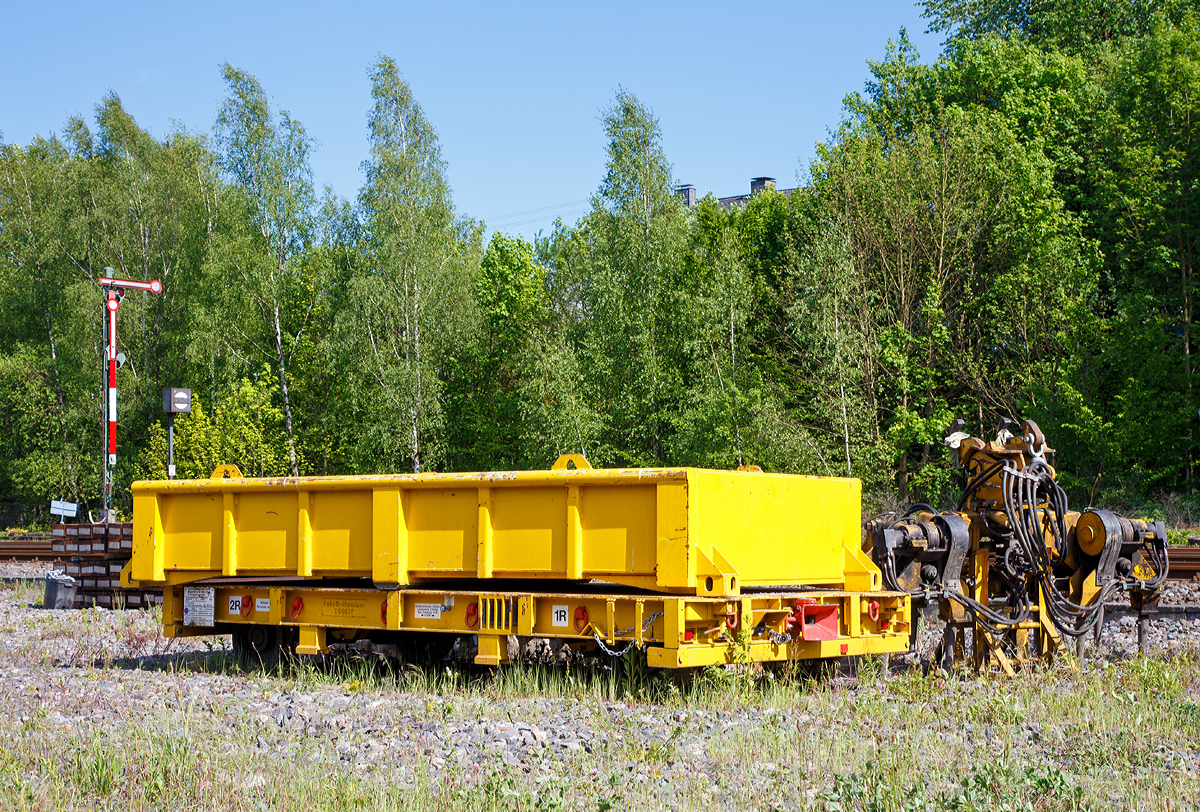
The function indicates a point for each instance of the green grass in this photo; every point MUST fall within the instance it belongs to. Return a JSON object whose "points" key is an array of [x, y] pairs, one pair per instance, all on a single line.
{"points": [[30, 591], [1123, 734], [830, 745]]}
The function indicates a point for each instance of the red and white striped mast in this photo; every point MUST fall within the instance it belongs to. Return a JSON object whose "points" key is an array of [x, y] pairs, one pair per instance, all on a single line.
{"points": [[114, 292]]}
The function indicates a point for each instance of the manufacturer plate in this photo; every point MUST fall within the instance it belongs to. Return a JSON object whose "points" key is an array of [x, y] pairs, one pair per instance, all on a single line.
{"points": [[198, 605]]}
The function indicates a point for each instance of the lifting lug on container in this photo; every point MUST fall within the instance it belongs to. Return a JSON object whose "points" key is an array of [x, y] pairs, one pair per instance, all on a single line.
{"points": [[581, 615], [578, 460], [297, 608]]}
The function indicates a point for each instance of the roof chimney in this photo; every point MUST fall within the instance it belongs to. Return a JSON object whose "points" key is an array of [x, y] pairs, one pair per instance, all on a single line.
{"points": [[687, 192], [760, 184]]}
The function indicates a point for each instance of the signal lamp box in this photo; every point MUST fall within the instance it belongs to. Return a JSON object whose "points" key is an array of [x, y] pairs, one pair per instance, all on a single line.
{"points": [[177, 401]]}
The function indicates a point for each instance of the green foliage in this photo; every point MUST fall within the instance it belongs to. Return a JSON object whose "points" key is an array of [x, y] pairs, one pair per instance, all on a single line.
{"points": [[98, 769], [1008, 231], [617, 282], [942, 198], [489, 385], [244, 429], [262, 282], [1067, 25]]}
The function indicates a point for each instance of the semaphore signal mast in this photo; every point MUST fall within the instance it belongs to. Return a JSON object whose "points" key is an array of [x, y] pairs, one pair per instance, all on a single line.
{"points": [[114, 292]]}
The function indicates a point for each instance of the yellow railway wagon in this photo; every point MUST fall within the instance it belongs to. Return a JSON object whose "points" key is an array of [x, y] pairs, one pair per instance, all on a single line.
{"points": [[670, 530]]}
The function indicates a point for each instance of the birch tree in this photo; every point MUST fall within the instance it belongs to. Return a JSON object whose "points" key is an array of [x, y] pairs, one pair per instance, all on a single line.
{"points": [[619, 280], [263, 291], [412, 303]]}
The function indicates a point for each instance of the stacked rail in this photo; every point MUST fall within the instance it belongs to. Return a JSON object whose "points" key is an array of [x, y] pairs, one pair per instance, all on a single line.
{"points": [[28, 547], [1184, 561]]}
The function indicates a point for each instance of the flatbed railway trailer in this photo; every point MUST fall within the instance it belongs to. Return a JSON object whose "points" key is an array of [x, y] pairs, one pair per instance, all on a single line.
{"points": [[698, 567]]}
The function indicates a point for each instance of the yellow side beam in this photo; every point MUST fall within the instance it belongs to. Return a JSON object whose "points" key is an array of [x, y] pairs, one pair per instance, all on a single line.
{"points": [[304, 535], [229, 534], [484, 567], [679, 632]]}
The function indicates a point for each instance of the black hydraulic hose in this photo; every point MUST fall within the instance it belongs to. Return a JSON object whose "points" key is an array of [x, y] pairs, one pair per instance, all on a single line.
{"points": [[986, 617], [1068, 617], [989, 613], [976, 483], [889, 572]]}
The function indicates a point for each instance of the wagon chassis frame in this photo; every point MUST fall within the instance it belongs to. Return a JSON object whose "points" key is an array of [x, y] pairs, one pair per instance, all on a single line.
{"points": [[676, 631]]}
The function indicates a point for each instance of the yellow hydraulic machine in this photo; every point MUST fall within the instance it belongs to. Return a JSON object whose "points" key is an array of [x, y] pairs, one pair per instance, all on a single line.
{"points": [[1011, 564]]}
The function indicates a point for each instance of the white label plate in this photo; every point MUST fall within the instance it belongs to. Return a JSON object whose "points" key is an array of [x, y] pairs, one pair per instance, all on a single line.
{"points": [[235, 605], [559, 616], [198, 605], [262, 604], [428, 611]]}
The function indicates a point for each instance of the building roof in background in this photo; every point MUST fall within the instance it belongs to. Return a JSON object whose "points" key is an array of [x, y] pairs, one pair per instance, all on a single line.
{"points": [[688, 192]]}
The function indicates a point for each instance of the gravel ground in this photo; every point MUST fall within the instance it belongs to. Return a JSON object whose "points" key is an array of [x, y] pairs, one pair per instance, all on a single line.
{"points": [[26, 569], [99, 672]]}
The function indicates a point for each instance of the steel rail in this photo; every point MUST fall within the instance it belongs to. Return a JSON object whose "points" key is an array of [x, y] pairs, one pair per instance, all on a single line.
{"points": [[1184, 563]]}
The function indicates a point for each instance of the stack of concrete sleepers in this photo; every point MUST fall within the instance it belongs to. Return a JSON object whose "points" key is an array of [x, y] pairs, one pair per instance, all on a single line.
{"points": [[95, 555]]}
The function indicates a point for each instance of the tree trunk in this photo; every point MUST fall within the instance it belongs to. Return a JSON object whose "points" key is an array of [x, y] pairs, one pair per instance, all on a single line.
{"points": [[837, 360], [294, 467], [415, 407]]}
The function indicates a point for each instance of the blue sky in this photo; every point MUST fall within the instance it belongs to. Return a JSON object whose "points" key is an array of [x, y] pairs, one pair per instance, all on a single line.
{"points": [[740, 89]]}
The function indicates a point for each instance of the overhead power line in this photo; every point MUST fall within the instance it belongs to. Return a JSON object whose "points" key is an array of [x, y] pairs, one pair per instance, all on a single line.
{"points": [[536, 211], [563, 215]]}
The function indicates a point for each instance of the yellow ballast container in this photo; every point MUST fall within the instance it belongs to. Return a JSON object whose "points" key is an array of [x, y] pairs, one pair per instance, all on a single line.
{"points": [[679, 530]]}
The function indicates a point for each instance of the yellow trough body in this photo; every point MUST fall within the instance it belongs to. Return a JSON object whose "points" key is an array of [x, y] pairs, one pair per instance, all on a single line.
{"points": [[676, 530], [699, 567]]}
